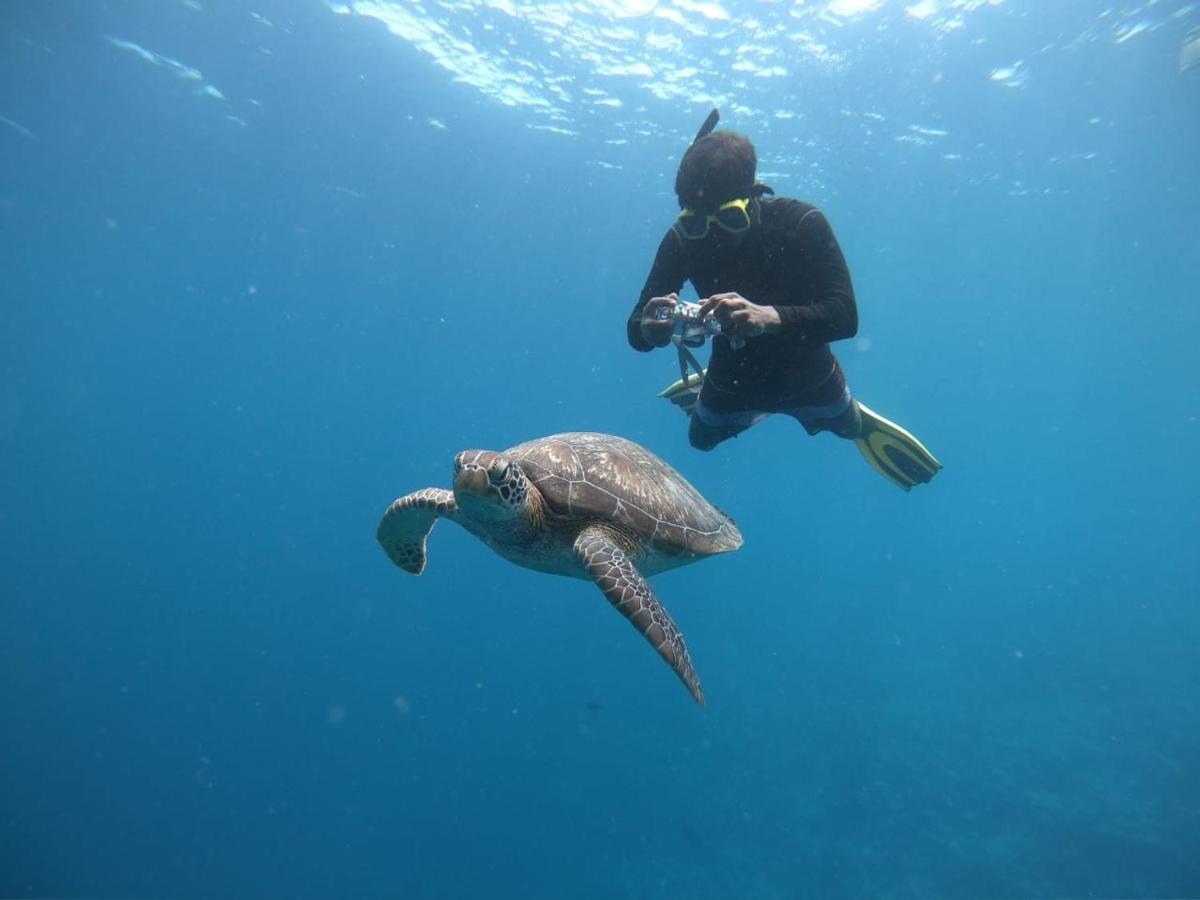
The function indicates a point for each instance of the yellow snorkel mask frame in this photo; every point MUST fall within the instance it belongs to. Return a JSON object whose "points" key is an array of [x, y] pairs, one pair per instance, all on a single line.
{"points": [[732, 216]]}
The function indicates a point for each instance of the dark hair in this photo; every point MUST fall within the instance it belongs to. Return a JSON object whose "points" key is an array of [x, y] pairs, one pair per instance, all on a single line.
{"points": [[716, 168]]}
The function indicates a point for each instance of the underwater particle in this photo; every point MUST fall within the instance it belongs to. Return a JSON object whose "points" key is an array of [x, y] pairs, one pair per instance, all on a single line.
{"points": [[1126, 32], [848, 8], [1189, 53], [922, 10], [863, 344], [402, 705], [203, 773], [1014, 76], [335, 715], [12, 410], [17, 127], [1018, 653]]}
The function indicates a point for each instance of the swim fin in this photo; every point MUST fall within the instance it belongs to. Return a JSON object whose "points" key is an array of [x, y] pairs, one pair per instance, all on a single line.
{"points": [[685, 393], [893, 452]]}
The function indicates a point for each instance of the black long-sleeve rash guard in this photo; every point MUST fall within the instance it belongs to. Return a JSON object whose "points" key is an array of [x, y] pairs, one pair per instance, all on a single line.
{"points": [[790, 260]]}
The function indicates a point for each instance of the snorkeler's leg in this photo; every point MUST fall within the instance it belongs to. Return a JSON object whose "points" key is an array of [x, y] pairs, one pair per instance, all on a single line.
{"points": [[845, 424], [829, 407], [706, 437], [709, 427], [890, 450]]}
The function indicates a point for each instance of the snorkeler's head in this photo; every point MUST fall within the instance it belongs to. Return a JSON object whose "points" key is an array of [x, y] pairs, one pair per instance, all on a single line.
{"points": [[717, 168]]}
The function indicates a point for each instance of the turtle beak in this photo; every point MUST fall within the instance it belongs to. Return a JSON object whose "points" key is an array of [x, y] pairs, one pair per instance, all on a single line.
{"points": [[471, 480]]}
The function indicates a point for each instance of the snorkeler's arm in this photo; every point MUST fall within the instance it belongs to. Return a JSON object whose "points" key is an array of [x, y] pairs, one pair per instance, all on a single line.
{"points": [[832, 313], [666, 277]]}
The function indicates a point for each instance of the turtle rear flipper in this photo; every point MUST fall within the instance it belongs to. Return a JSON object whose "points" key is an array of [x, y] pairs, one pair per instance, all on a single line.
{"points": [[408, 521], [599, 549]]}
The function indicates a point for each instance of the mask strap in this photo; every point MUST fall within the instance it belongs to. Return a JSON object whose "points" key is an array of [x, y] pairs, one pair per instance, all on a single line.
{"points": [[686, 358]]}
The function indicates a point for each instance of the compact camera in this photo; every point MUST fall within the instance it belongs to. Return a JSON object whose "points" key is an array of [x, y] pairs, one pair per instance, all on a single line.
{"points": [[693, 328]]}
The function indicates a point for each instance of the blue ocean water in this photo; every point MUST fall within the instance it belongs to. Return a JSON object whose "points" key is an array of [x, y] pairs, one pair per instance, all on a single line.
{"points": [[267, 267]]}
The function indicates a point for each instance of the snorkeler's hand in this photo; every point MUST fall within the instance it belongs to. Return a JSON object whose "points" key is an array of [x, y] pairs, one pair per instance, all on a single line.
{"points": [[657, 331], [739, 317]]}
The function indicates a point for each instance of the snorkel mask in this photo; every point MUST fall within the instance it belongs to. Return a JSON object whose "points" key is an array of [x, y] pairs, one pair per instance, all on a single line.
{"points": [[733, 215]]}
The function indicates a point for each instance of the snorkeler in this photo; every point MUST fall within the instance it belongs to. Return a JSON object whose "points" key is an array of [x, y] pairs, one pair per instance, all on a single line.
{"points": [[777, 292]]}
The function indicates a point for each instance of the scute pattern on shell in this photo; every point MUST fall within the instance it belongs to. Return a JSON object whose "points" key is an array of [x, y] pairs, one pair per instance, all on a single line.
{"points": [[585, 476]]}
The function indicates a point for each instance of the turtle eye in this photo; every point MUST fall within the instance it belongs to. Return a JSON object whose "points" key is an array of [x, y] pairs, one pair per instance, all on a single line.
{"points": [[498, 471]]}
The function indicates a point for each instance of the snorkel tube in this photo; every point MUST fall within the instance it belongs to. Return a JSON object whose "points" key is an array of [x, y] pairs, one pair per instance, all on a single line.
{"points": [[709, 124]]}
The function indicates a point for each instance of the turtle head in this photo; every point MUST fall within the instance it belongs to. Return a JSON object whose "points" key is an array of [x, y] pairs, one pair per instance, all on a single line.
{"points": [[490, 484]]}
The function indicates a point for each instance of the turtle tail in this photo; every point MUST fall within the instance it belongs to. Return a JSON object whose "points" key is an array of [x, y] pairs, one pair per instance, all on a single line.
{"points": [[406, 524]]}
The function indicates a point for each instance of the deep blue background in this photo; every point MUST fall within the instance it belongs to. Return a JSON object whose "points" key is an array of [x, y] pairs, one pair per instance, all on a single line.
{"points": [[226, 347]]}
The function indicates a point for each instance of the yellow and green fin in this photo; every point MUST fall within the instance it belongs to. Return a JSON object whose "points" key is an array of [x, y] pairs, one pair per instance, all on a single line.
{"points": [[893, 452], [685, 391]]}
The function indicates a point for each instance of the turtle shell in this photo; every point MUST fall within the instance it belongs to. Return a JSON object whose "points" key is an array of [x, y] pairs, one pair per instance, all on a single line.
{"points": [[584, 476]]}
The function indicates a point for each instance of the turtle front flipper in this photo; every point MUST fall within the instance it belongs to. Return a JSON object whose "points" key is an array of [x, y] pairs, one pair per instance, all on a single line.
{"points": [[408, 521], [599, 549]]}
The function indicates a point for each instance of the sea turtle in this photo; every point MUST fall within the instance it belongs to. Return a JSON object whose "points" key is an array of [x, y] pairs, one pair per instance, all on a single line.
{"points": [[584, 505]]}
